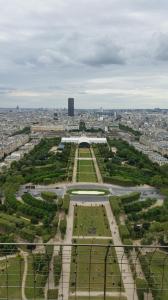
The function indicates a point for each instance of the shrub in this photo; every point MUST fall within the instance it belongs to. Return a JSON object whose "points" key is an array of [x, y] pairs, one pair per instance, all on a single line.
{"points": [[57, 268], [48, 196], [60, 203], [128, 242], [62, 227], [52, 294], [66, 201], [6, 226], [130, 197], [118, 180], [115, 205], [124, 233], [142, 287], [27, 234]]}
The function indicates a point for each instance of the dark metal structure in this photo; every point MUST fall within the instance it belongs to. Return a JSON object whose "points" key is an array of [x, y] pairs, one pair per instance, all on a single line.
{"points": [[53, 271]]}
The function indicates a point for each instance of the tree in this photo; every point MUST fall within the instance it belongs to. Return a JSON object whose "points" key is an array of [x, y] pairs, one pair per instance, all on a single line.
{"points": [[156, 181]]}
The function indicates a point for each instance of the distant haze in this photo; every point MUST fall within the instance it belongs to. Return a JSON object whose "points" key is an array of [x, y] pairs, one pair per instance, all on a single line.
{"points": [[111, 53]]}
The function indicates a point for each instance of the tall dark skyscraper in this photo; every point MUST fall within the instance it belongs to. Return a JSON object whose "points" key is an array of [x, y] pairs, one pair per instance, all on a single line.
{"points": [[70, 107]]}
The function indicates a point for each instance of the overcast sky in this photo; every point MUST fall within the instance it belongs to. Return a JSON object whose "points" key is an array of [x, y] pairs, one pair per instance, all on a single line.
{"points": [[105, 53]]}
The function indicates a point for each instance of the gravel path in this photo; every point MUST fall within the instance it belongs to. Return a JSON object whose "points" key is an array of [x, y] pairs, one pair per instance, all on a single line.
{"points": [[24, 255], [97, 294], [75, 166], [98, 174], [66, 257]]}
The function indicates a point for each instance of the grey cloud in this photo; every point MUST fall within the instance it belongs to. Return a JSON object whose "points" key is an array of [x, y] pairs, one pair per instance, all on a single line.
{"points": [[104, 54], [162, 48], [61, 45], [6, 90]]}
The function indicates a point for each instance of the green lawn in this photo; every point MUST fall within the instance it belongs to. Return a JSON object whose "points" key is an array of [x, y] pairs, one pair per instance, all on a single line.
{"points": [[159, 272], [86, 171], [86, 177], [88, 267], [11, 271], [84, 153], [91, 221]]}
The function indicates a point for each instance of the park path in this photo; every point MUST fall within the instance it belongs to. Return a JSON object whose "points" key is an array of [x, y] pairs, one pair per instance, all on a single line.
{"points": [[63, 292], [98, 174], [85, 158], [81, 237], [24, 255], [6, 257], [75, 166], [127, 278], [98, 294]]}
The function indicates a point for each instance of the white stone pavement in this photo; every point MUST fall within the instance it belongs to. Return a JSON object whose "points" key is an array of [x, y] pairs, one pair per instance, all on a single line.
{"points": [[97, 294], [81, 237], [75, 166]]}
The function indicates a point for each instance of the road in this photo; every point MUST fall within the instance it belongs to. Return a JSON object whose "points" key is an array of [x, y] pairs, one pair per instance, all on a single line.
{"points": [[60, 189]]}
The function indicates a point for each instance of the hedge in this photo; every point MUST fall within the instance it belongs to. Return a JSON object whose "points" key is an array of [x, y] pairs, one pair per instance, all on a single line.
{"points": [[48, 196], [57, 268], [66, 202], [142, 287], [124, 233], [62, 227], [132, 197], [118, 180], [115, 205], [52, 294], [27, 234]]}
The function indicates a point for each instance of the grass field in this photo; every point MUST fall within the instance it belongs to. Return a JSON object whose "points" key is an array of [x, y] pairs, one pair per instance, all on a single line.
{"points": [[11, 271], [88, 267], [159, 271], [91, 221], [86, 171], [84, 153]]}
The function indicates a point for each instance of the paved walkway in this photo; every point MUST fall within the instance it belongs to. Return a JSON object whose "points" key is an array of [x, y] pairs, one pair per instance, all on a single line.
{"points": [[6, 257], [97, 294], [66, 257], [81, 237], [85, 158], [98, 174], [75, 166], [25, 255]]}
